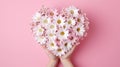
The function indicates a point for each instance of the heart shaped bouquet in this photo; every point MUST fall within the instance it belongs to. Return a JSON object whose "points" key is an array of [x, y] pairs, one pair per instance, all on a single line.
{"points": [[59, 30]]}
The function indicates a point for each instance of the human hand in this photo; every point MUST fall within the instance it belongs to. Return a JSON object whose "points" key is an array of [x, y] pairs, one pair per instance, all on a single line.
{"points": [[66, 59], [69, 54], [53, 60]]}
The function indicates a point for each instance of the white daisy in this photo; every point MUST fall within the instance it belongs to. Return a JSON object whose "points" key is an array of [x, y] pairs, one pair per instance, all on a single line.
{"points": [[38, 30], [72, 10], [67, 45], [40, 39], [53, 12], [45, 21], [36, 17], [59, 20], [59, 52], [81, 19], [51, 45], [50, 35], [62, 34], [79, 29], [70, 22], [52, 27]]}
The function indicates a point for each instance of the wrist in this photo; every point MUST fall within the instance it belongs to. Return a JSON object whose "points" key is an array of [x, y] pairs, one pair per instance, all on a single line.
{"points": [[67, 62], [52, 63], [65, 59], [53, 59]]}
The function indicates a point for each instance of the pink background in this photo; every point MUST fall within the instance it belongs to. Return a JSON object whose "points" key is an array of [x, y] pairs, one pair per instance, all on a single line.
{"points": [[100, 49]]}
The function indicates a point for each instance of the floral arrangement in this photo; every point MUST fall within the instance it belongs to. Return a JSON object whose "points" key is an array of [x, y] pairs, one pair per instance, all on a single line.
{"points": [[59, 30]]}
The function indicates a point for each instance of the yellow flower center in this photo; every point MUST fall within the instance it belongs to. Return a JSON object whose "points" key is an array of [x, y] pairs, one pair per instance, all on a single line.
{"points": [[51, 34], [78, 29], [71, 11], [51, 13], [64, 26], [62, 33], [59, 50], [78, 20], [52, 44], [45, 21], [58, 21], [69, 22], [52, 26], [66, 44], [40, 30]]}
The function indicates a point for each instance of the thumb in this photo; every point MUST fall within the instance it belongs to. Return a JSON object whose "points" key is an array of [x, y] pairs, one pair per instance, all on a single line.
{"points": [[69, 52]]}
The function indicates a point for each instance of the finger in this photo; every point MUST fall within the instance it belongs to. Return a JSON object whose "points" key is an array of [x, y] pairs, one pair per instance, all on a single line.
{"points": [[74, 46], [48, 51], [69, 52]]}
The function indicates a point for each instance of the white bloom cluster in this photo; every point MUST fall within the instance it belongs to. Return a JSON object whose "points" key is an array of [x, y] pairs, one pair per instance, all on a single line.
{"points": [[59, 31]]}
